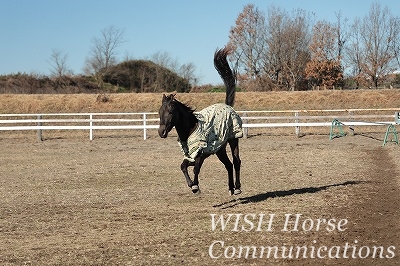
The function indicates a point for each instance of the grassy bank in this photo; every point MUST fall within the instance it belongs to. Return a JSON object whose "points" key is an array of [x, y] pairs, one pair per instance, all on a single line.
{"points": [[150, 102]]}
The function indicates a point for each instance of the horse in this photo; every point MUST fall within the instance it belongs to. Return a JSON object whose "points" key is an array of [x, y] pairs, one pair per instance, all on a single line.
{"points": [[208, 131]]}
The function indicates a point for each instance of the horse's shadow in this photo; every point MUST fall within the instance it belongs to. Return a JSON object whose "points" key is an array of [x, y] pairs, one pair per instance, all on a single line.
{"points": [[282, 193]]}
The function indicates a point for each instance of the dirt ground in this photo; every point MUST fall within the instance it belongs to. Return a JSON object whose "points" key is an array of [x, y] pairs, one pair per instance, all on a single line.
{"points": [[123, 201]]}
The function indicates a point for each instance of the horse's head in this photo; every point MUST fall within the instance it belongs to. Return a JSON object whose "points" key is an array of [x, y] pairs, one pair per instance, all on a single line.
{"points": [[167, 115]]}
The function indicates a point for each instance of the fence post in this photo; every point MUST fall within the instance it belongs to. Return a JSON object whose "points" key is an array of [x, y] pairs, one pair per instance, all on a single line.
{"points": [[245, 130], [91, 126], [39, 132], [296, 114], [144, 126], [351, 128]]}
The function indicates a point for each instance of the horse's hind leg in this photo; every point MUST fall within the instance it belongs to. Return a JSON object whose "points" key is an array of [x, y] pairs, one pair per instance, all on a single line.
{"points": [[223, 157], [234, 144]]}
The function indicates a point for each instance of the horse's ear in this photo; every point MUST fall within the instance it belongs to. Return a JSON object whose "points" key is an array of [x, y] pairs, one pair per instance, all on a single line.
{"points": [[171, 97]]}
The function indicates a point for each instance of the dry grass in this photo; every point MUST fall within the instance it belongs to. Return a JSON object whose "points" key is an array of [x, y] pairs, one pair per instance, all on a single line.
{"points": [[150, 102]]}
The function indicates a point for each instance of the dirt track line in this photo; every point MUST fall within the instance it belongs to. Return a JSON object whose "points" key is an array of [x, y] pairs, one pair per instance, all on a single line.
{"points": [[376, 216]]}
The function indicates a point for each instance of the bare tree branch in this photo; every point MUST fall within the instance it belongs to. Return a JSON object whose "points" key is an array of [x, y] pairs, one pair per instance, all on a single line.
{"points": [[58, 63], [104, 50], [374, 45]]}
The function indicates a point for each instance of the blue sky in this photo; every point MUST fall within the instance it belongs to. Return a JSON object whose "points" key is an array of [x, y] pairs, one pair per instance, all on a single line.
{"points": [[189, 31]]}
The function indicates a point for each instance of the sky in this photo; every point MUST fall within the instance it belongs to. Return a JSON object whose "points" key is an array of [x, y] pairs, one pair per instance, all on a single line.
{"points": [[188, 31]]}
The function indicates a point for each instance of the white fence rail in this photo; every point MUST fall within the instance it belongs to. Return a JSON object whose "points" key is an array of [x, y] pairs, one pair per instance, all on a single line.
{"points": [[149, 121], [79, 121]]}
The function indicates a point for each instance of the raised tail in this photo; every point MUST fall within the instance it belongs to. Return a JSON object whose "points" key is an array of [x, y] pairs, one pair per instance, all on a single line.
{"points": [[222, 66]]}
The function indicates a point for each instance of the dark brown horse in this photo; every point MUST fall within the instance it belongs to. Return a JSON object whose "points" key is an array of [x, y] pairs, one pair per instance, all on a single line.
{"points": [[207, 132]]}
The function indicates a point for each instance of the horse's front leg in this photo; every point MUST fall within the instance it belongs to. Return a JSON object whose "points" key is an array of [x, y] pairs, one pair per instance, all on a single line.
{"points": [[197, 166], [184, 167]]}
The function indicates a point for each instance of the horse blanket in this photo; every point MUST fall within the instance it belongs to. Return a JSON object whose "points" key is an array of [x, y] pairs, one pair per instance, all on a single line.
{"points": [[216, 124]]}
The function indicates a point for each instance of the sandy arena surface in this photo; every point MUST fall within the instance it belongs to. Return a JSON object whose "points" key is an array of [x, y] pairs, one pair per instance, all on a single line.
{"points": [[124, 201]]}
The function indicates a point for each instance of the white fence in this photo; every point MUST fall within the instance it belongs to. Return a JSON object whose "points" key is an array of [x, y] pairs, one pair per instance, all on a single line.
{"points": [[79, 121], [149, 121]]}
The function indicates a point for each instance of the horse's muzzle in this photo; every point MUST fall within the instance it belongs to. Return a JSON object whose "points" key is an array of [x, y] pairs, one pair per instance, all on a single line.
{"points": [[162, 132]]}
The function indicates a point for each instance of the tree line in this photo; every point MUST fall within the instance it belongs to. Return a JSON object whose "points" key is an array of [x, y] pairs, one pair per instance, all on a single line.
{"points": [[272, 50], [278, 50], [104, 73]]}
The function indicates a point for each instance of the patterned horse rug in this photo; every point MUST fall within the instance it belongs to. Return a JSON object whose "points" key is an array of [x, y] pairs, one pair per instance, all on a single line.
{"points": [[216, 124]]}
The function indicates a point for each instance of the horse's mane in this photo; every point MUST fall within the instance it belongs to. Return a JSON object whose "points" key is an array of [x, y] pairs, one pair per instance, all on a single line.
{"points": [[185, 106]]}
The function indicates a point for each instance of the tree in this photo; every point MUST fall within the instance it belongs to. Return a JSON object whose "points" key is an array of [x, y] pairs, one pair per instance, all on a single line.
{"points": [[104, 50], [341, 34], [164, 59], [374, 45], [187, 71], [247, 38], [325, 68], [58, 63], [272, 62], [287, 39], [354, 54], [295, 52], [271, 51]]}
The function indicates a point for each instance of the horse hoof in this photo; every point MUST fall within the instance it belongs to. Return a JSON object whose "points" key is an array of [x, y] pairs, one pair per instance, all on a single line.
{"points": [[237, 191], [195, 188]]}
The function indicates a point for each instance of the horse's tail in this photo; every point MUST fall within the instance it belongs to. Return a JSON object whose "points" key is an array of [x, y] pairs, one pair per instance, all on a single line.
{"points": [[228, 76]]}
